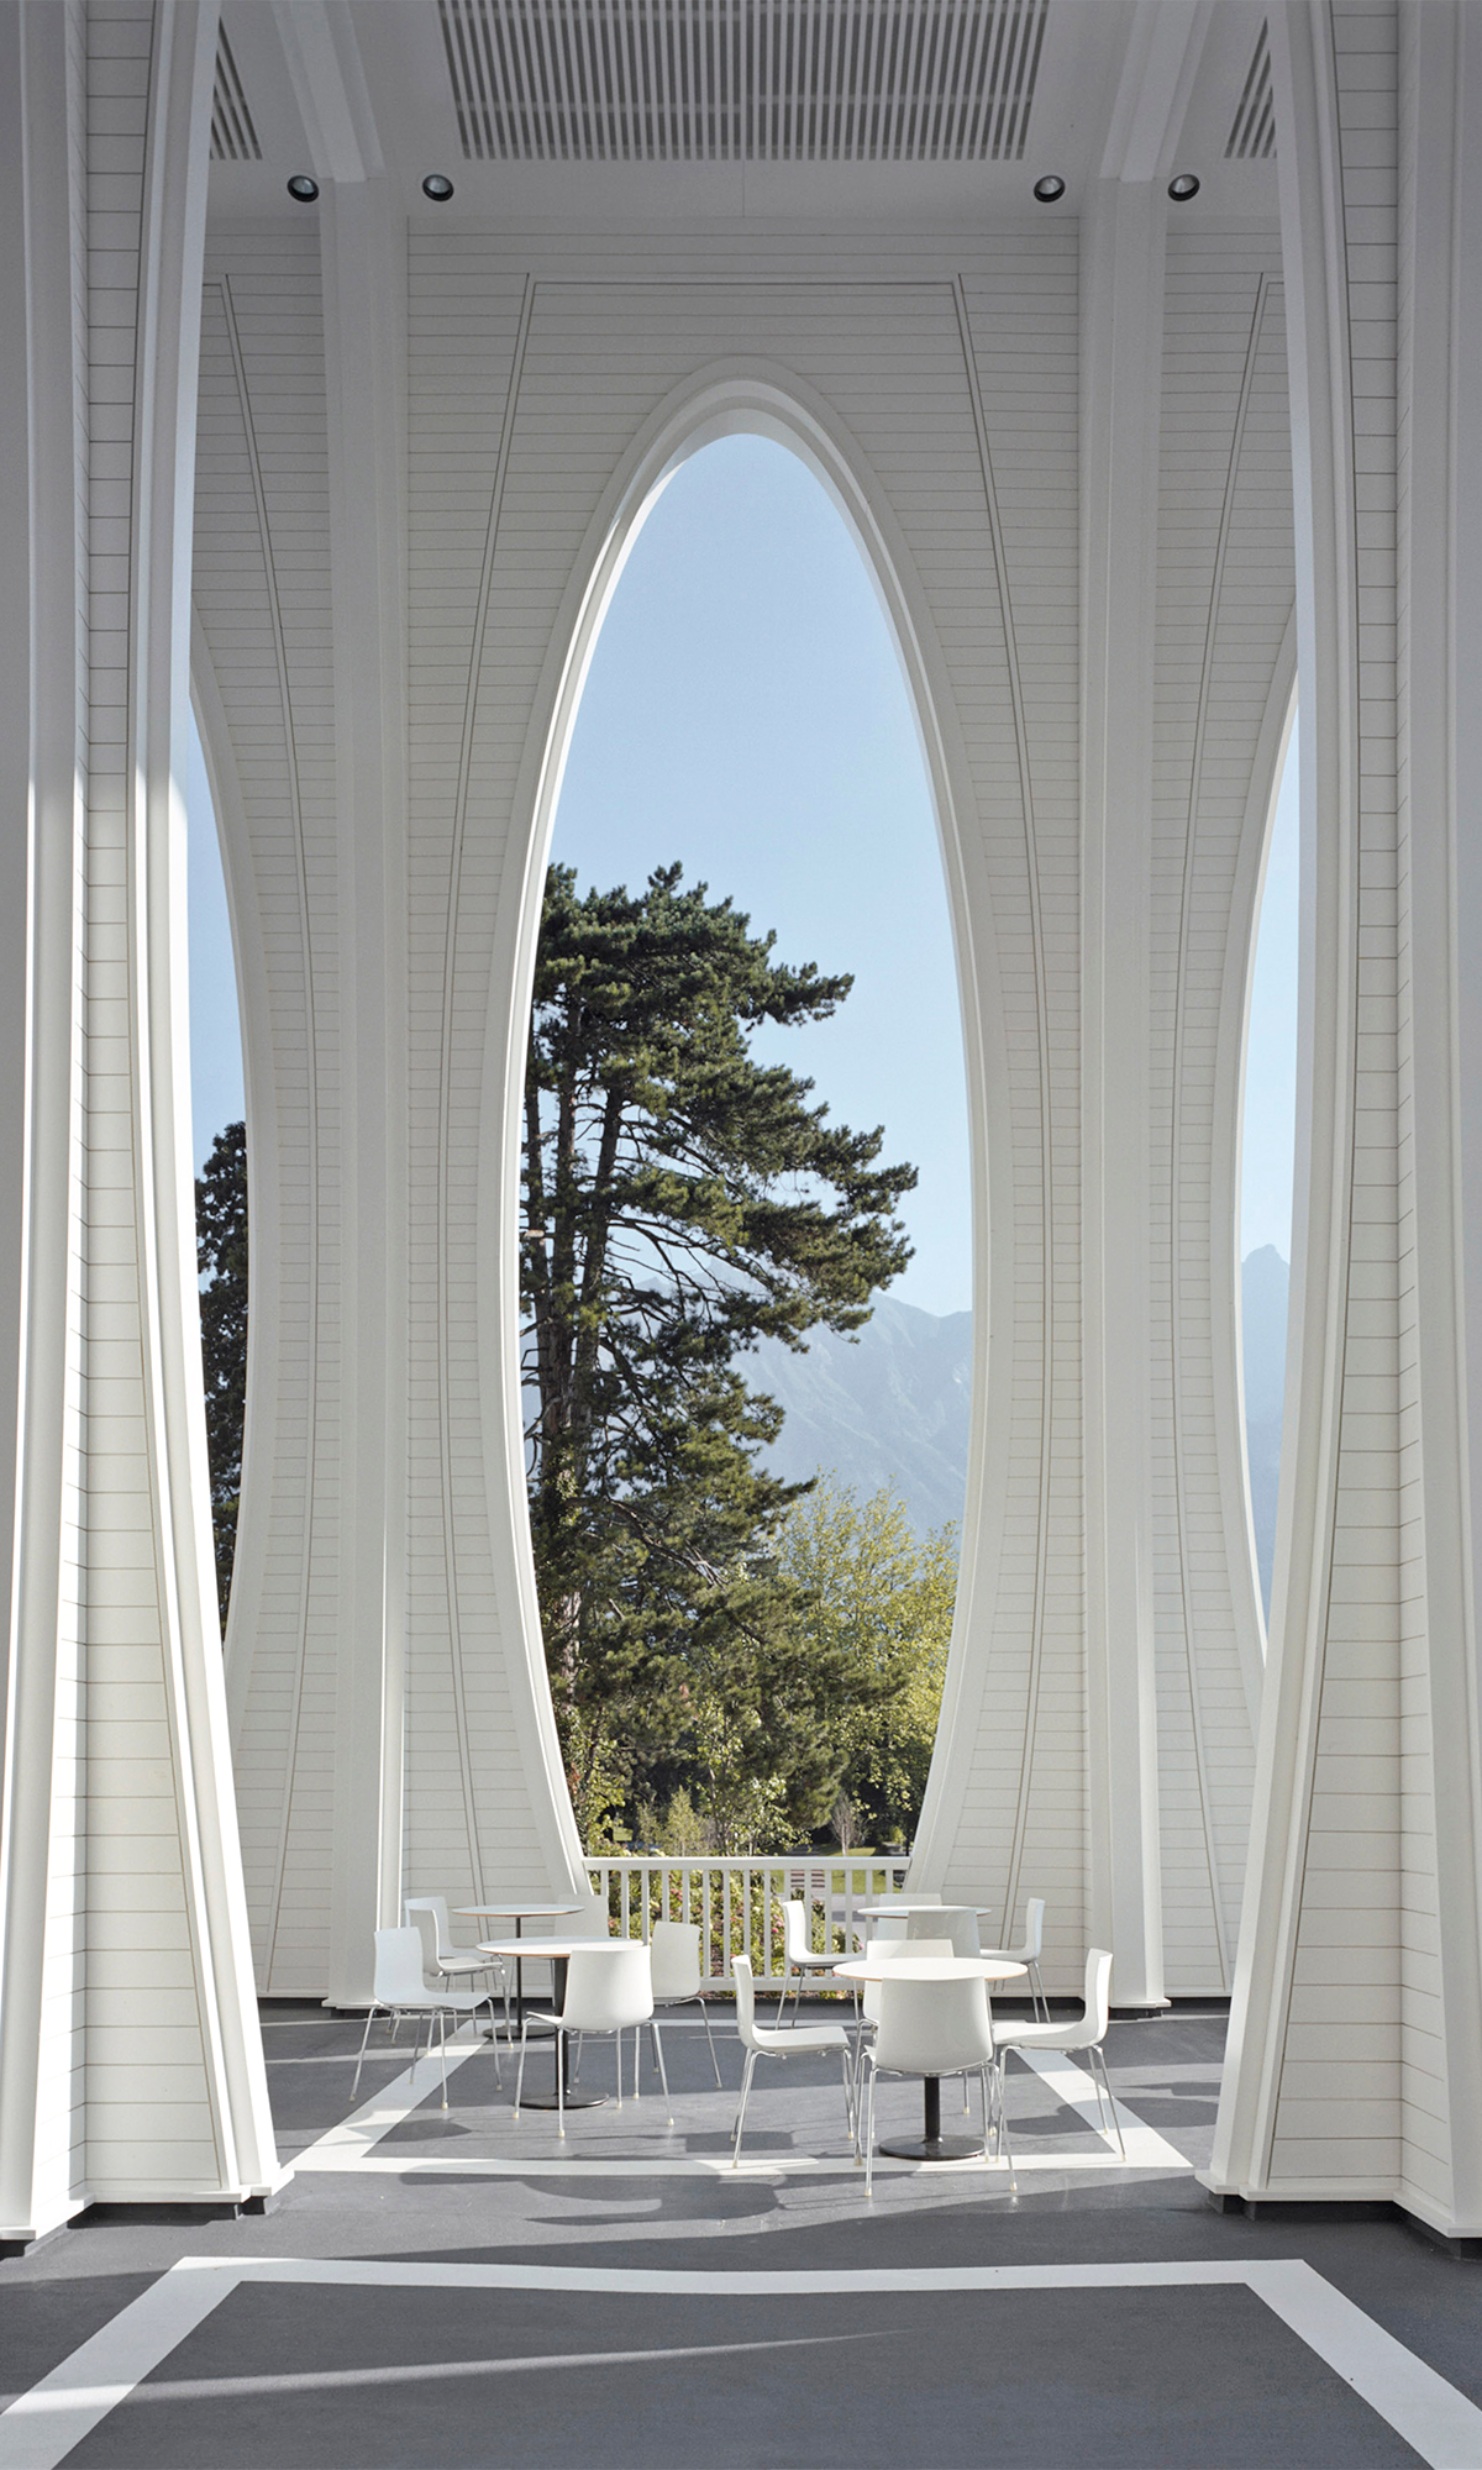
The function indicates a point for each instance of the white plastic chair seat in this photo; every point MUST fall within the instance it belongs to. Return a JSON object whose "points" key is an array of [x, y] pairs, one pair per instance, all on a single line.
{"points": [[792, 2040], [1029, 1954], [784, 2041], [608, 1990], [674, 1951], [797, 1954], [399, 1988], [935, 2028], [1047, 2036], [1085, 2035]]}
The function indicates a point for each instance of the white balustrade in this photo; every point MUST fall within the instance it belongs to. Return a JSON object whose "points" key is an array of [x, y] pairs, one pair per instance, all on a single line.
{"points": [[737, 1903]]}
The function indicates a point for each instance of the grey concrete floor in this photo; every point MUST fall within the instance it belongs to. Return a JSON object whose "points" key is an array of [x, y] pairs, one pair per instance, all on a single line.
{"points": [[859, 2365]]}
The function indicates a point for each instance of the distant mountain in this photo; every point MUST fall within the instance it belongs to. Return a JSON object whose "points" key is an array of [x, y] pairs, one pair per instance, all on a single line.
{"points": [[1264, 1281], [889, 1406]]}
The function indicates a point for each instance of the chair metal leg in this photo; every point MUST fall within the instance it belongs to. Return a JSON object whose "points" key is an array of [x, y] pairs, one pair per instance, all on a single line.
{"points": [[710, 2037], [1099, 2056], [560, 2084], [849, 2126], [442, 2047], [373, 2012], [1003, 2134], [870, 2130], [746, 2075], [1037, 1991], [663, 2071]]}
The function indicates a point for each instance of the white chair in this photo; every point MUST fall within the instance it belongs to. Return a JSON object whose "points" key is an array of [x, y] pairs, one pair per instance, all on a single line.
{"points": [[456, 1964], [675, 1949], [867, 2009], [776, 2041], [1086, 2035], [459, 2000], [607, 1991], [799, 1955], [1029, 1954], [935, 2028], [399, 1988]]}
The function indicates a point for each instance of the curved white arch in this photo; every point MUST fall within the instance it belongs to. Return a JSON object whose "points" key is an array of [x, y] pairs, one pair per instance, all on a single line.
{"points": [[726, 399]]}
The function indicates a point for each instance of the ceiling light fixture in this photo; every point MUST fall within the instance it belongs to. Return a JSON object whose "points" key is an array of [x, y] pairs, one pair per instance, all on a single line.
{"points": [[302, 189], [1050, 189], [1182, 187], [438, 187]]}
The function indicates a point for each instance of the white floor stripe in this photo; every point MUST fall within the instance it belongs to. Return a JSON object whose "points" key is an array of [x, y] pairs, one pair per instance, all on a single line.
{"points": [[350, 2145], [1072, 2085], [346, 2144], [590, 2163], [40, 2429]]}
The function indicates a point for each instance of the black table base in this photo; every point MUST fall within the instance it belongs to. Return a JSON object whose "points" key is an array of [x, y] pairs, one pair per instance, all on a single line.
{"points": [[932, 2145], [560, 2096], [935, 2148]]}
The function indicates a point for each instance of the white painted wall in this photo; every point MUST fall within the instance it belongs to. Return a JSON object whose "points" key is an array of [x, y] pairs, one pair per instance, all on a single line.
{"points": [[130, 2063], [1355, 2030], [546, 377]]}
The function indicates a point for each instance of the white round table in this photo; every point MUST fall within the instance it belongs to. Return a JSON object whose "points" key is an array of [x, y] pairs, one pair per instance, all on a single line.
{"points": [[931, 2145], [557, 1951], [909, 1904], [519, 1910]]}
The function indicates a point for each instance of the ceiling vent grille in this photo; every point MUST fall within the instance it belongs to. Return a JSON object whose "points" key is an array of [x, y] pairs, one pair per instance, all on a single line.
{"points": [[233, 130], [1253, 131], [762, 80]]}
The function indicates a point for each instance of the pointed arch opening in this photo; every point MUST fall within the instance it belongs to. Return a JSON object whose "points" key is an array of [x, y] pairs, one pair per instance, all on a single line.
{"points": [[628, 745]]}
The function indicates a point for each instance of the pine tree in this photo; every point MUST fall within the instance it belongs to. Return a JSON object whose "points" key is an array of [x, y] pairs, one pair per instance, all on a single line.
{"points": [[680, 1200], [221, 1257]]}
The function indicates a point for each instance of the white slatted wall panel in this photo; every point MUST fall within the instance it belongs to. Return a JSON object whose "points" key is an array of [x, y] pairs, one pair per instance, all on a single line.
{"points": [[262, 599], [595, 360], [1425, 2096], [1225, 590], [62, 2074], [149, 2117], [1339, 2083], [469, 1826], [956, 369]]}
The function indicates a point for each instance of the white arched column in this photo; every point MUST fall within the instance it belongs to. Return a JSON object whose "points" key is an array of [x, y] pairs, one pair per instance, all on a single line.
{"points": [[130, 2063], [1358, 2014]]}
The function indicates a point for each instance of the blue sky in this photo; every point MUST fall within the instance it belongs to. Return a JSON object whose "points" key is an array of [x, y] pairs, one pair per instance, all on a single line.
{"points": [[1271, 1049], [215, 1029], [745, 713]]}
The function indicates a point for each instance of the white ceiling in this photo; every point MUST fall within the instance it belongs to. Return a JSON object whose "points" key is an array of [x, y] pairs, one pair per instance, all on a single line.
{"points": [[897, 112]]}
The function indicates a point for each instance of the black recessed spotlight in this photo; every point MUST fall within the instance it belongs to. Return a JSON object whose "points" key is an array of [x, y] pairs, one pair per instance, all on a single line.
{"points": [[302, 189], [438, 187], [1182, 187], [1049, 189]]}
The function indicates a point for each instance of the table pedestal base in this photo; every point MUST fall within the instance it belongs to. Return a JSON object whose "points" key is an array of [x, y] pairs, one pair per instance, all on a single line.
{"points": [[932, 2145], [573, 2101], [935, 2148]]}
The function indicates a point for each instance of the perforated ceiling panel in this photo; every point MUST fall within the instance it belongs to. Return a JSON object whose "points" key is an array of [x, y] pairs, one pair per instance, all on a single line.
{"points": [[714, 80], [1253, 130]]}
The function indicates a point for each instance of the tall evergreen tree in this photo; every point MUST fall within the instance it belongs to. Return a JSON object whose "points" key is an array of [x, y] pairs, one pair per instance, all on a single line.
{"points": [[221, 1257], [681, 1200]]}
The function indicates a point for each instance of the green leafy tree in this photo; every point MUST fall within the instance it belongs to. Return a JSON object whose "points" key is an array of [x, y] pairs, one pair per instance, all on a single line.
{"points": [[680, 1201], [221, 1256], [873, 1596]]}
